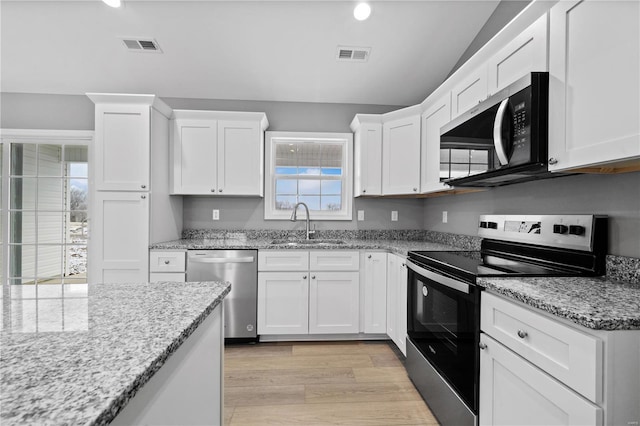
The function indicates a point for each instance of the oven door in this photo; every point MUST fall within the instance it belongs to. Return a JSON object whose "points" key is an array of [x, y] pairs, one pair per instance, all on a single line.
{"points": [[443, 322]]}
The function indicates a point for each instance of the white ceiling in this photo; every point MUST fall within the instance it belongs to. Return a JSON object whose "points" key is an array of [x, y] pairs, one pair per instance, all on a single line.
{"points": [[240, 50]]}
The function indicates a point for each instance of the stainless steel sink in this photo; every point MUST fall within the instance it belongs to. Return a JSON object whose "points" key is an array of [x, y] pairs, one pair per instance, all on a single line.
{"points": [[306, 242]]}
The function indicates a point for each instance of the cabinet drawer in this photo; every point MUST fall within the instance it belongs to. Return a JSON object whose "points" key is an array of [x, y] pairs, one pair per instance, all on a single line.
{"points": [[329, 260], [283, 260], [569, 355], [167, 261], [167, 276]]}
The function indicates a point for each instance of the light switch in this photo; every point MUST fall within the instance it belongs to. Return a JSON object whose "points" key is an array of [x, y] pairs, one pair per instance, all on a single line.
{"points": [[394, 216], [361, 215], [216, 214]]}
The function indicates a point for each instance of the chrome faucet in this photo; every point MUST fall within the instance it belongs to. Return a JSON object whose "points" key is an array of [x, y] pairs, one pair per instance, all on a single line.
{"points": [[294, 217]]}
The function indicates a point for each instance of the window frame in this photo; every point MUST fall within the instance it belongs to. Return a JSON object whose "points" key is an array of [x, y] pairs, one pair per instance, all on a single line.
{"points": [[270, 211]]}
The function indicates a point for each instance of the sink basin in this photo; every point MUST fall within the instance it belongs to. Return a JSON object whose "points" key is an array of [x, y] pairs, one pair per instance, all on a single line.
{"points": [[306, 242]]}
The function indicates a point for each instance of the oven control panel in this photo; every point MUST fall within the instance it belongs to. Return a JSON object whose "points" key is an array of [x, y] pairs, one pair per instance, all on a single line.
{"points": [[565, 231]]}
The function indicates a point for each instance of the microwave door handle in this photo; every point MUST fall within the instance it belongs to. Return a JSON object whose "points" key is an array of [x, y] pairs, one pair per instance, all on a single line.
{"points": [[498, 141]]}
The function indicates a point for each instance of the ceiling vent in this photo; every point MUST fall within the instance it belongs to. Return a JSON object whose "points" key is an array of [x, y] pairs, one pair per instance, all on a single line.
{"points": [[141, 44], [353, 54]]}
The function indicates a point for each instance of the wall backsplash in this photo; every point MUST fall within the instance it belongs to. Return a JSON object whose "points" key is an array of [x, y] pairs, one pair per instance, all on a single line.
{"points": [[617, 196]]}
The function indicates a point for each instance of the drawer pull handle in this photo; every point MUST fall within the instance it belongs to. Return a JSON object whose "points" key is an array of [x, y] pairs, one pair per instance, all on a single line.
{"points": [[522, 334], [482, 346], [166, 262]]}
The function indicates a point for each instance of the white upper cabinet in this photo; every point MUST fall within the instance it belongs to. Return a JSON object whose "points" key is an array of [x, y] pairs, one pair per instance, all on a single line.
{"points": [[594, 101], [219, 153], [469, 91], [367, 130], [123, 140], [401, 151], [524, 54], [436, 115]]}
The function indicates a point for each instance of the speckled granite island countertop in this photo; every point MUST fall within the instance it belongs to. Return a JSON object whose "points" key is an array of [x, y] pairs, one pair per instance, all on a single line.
{"points": [[597, 303], [76, 354]]}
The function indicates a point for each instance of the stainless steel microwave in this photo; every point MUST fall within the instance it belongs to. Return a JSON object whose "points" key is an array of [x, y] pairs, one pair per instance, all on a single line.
{"points": [[502, 140]]}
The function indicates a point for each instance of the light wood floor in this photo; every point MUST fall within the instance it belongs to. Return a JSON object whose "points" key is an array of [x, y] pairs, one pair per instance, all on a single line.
{"points": [[342, 383]]}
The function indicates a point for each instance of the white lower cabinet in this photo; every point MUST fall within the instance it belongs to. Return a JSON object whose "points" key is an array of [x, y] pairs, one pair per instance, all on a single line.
{"points": [[536, 369], [397, 301], [167, 265], [301, 301], [375, 292], [513, 391]]}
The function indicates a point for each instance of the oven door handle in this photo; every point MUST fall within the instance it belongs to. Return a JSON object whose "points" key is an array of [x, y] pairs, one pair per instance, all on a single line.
{"points": [[440, 279]]}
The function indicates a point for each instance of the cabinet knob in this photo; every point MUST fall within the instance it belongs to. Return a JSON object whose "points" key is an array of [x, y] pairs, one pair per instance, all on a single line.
{"points": [[522, 334], [304, 277], [313, 277], [166, 262], [219, 190], [213, 190], [482, 346], [364, 190], [369, 257], [553, 161], [143, 196], [415, 189], [404, 265], [143, 186]]}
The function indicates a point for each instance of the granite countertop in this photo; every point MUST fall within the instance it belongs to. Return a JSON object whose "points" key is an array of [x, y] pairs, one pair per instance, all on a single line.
{"points": [[75, 354], [593, 302], [401, 247]]}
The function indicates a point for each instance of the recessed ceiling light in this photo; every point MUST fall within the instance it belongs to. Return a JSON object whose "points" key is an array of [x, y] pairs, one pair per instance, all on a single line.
{"points": [[112, 3], [362, 11]]}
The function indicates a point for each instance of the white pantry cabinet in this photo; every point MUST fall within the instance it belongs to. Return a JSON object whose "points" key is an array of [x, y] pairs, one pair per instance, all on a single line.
{"points": [[120, 237], [375, 292], [401, 151], [539, 369], [315, 292], [367, 130], [131, 191], [437, 113], [594, 89], [397, 301], [217, 153]]}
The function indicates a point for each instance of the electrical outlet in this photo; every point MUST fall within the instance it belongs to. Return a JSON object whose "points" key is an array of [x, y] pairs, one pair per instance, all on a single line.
{"points": [[361, 215], [216, 214], [394, 216], [444, 217]]}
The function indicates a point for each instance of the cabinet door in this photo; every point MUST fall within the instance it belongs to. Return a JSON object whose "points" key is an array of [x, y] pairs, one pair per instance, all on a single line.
{"points": [[524, 54], [240, 158], [594, 101], [120, 240], [401, 156], [512, 391], [392, 297], [283, 303], [375, 293], [122, 152], [194, 157], [334, 302], [433, 119], [368, 160], [470, 91], [401, 324]]}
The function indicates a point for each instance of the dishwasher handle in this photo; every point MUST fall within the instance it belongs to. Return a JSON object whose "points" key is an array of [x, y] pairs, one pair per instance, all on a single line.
{"points": [[249, 259]]}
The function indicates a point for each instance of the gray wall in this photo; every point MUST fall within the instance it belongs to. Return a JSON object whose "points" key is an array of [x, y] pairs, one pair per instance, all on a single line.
{"points": [[248, 213], [51, 112], [617, 196]]}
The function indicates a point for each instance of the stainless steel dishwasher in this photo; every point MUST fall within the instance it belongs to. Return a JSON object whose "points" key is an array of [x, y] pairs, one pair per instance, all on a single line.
{"points": [[240, 268]]}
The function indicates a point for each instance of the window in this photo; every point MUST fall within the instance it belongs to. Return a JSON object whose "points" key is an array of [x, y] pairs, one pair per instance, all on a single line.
{"points": [[456, 163], [45, 211], [312, 168]]}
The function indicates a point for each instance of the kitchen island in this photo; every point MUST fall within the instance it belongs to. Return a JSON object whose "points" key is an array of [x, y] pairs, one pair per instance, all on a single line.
{"points": [[102, 353]]}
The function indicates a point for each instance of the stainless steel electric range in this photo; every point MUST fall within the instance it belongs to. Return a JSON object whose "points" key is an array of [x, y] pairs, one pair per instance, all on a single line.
{"points": [[443, 320]]}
